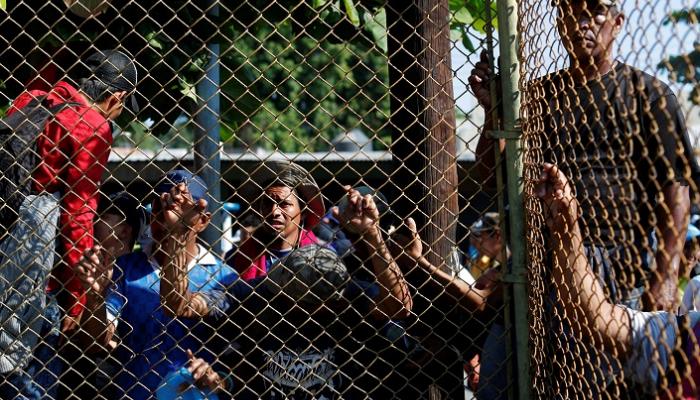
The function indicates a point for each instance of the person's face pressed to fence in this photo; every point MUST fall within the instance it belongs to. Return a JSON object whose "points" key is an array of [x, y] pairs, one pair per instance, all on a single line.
{"points": [[588, 28], [487, 242], [282, 213], [113, 234]]}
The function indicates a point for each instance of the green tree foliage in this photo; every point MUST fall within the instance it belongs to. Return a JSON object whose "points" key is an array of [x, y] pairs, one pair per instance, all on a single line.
{"points": [[294, 74], [685, 68], [277, 82]]}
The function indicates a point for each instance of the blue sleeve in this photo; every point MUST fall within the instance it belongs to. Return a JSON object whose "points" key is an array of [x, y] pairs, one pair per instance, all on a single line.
{"points": [[216, 297], [654, 338], [241, 290], [227, 276], [115, 298], [362, 295], [356, 288]]}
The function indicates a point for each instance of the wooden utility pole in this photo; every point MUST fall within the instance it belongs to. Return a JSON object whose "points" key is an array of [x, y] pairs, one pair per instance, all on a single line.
{"points": [[425, 173], [423, 121]]}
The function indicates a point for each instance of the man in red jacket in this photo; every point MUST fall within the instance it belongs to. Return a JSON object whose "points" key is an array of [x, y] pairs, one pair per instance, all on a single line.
{"points": [[72, 150]]}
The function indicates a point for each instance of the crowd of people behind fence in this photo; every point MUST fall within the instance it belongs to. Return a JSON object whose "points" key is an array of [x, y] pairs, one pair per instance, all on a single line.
{"points": [[100, 298]]}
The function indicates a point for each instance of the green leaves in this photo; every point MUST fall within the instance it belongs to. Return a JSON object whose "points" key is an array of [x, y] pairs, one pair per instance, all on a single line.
{"points": [[152, 39], [3, 5], [189, 90], [469, 17], [350, 9], [463, 16], [689, 16], [685, 68], [3, 109], [375, 24]]}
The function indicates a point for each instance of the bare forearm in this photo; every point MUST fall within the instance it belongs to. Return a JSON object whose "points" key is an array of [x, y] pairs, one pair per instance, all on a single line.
{"points": [[584, 300], [174, 287], [673, 215], [394, 299], [95, 327]]}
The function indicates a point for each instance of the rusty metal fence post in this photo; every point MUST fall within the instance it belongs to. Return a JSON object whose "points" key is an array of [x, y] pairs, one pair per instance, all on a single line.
{"points": [[517, 278]]}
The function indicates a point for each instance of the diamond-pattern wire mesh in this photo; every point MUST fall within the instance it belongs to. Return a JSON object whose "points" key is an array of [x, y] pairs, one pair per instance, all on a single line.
{"points": [[618, 138], [311, 83], [301, 82]]}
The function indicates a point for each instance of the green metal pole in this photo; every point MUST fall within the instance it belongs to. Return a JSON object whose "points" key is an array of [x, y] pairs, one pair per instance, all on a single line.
{"points": [[510, 78], [498, 165]]}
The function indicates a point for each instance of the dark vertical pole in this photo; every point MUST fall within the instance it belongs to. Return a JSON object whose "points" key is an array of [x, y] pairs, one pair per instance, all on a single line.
{"points": [[425, 172], [207, 158], [423, 120]]}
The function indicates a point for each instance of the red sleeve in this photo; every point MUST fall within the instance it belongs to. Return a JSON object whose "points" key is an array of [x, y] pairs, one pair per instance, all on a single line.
{"points": [[89, 150], [24, 99]]}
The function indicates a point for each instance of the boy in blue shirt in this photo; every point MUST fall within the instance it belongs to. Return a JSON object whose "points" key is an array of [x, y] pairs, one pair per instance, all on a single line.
{"points": [[126, 300]]}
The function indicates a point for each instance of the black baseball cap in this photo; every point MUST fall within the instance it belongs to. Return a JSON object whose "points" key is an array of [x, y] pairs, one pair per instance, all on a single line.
{"points": [[310, 275], [115, 69]]}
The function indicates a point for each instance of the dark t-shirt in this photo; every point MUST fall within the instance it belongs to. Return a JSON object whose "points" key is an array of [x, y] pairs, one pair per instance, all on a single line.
{"points": [[382, 367], [274, 351], [620, 140]]}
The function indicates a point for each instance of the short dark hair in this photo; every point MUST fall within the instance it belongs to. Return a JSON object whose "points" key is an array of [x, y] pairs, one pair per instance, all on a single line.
{"points": [[250, 219], [96, 90]]}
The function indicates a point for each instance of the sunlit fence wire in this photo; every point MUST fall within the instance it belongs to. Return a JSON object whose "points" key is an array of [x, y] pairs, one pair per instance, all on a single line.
{"points": [[623, 134], [307, 200], [276, 107]]}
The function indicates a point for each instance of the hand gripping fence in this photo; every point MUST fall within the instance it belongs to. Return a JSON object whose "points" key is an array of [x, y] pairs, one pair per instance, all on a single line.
{"points": [[349, 199]]}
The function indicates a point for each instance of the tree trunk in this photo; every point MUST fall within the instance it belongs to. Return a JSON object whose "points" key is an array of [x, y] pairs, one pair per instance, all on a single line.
{"points": [[423, 121]]}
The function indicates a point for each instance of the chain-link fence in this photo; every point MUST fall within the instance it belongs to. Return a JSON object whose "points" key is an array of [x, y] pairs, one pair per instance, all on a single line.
{"points": [[344, 199], [202, 147], [608, 98]]}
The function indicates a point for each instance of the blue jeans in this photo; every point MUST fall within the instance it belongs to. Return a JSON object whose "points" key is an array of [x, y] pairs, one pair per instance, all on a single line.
{"points": [[39, 379], [493, 376]]}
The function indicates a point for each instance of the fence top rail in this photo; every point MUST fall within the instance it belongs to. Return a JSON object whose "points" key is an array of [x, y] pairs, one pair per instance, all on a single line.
{"points": [[125, 154]]}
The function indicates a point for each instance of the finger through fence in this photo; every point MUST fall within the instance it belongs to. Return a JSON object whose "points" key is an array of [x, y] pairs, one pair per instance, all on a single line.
{"points": [[608, 260], [316, 199]]}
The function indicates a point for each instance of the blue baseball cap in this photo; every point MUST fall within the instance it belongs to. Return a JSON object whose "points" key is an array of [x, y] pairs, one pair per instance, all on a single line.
{"points": [[692, 232], [194, 183]]}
